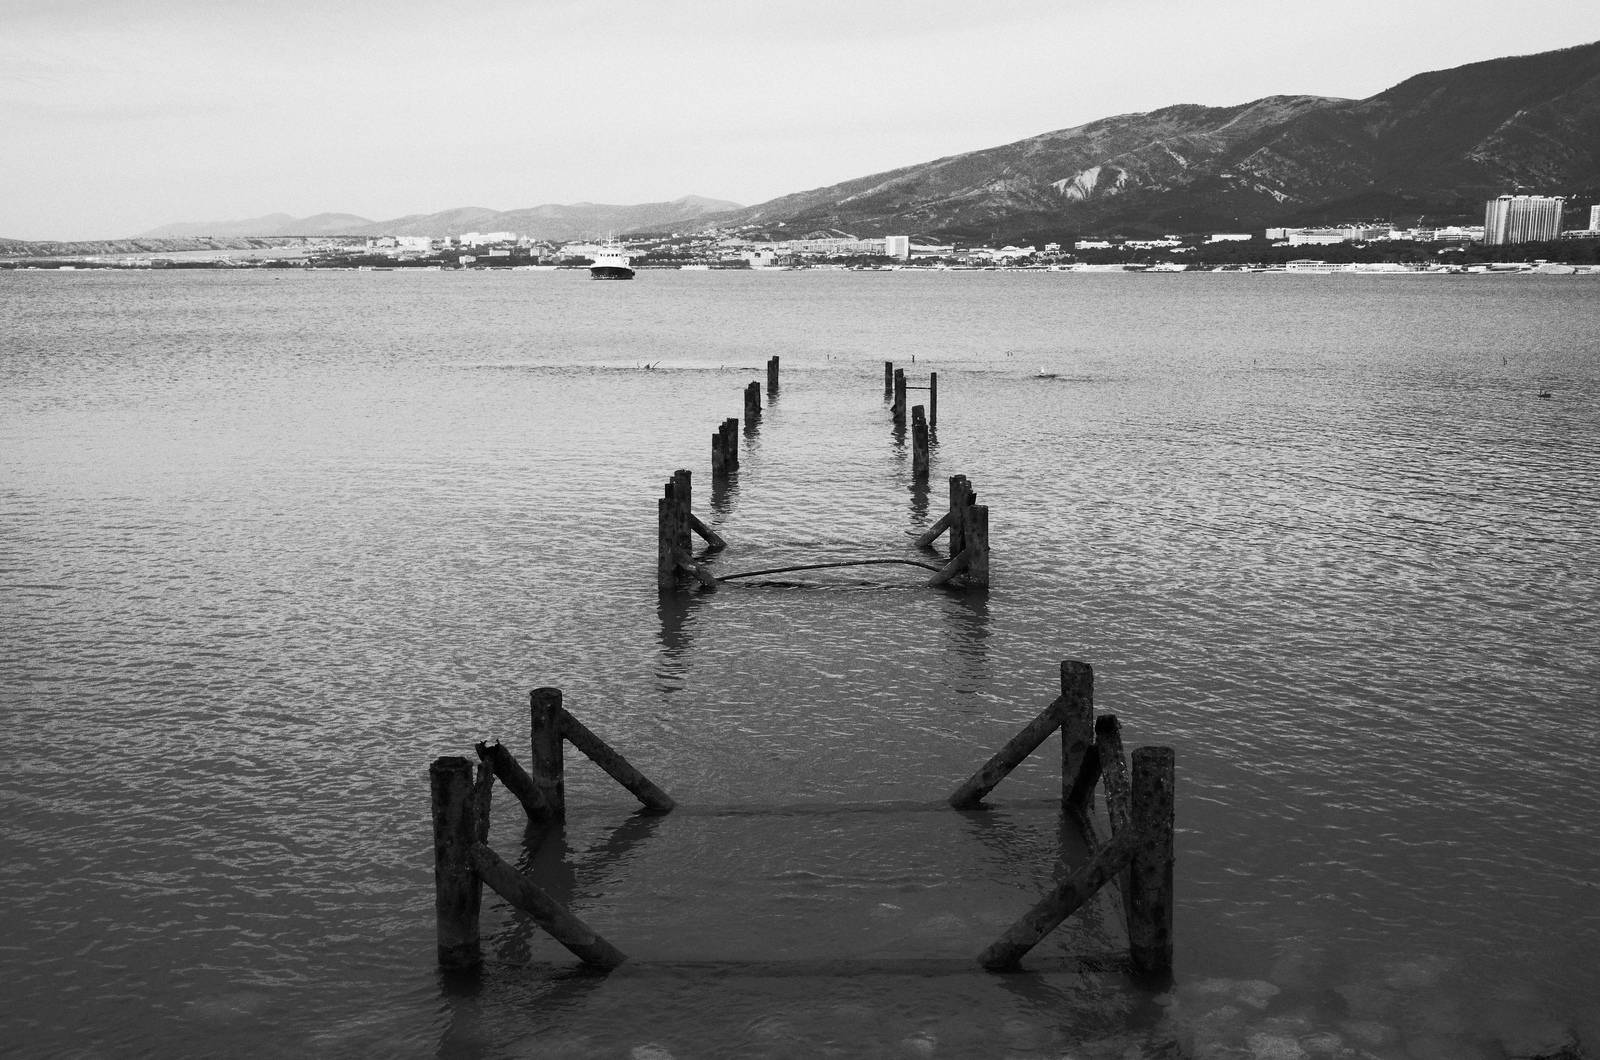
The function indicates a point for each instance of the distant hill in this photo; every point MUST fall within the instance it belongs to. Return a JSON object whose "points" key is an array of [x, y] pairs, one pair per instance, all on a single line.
{"points": [[1436, 145], [276, 224], [583, 220], [140, 246]]}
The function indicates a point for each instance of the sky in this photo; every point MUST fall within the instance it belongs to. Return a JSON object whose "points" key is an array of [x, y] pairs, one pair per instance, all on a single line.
{"points": [[119, 116]]}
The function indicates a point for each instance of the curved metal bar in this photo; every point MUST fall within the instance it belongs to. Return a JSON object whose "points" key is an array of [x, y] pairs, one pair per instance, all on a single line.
{"points": [[820, 566]]}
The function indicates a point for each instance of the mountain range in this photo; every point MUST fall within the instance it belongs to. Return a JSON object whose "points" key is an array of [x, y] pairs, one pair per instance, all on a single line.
{"points": [[1431, 148], [583, 220], [1435, 146]]}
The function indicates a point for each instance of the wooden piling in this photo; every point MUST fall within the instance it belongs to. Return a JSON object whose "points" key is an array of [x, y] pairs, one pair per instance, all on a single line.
{"points": [[1062, 901], [719, 454], [732, 424], [606, 757], [456, 888], [482, 802], [683, 493], [919, 444], [1020, 746], [1078, 758], [888, 378], [516, 780], [961, 497], [546, 761], [976, 533], [951, 519], [772, 377], [582, 940], [899, 407], [752, 404], [933, 399], [1150, 898], [667, 541], [1113, 772], [1119, 798]]}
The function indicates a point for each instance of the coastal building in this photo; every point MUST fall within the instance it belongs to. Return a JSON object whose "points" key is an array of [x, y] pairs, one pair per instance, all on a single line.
{"points": [[841, 247], [1092, 244], [897, 247], [1522, 219], [1230, 237], [422, 244], [1447, 234], [1594, 218], [933, 250]]}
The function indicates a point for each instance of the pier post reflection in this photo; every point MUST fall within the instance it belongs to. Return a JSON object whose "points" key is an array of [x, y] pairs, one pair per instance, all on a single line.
{"points": [[966, 618], [724, 491], [676, 611], [919, 505]]}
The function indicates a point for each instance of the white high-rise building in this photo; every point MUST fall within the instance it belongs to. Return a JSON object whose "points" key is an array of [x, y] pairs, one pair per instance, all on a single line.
{"points": [[897, 247], [1522, 219], [1594, 218]]}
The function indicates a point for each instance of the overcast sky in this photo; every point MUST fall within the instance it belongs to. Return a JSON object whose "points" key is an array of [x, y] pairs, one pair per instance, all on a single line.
{"points": [[118, 116]]}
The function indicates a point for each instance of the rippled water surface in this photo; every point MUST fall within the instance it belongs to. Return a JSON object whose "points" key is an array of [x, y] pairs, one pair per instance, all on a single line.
{"points": [[274, 541]]}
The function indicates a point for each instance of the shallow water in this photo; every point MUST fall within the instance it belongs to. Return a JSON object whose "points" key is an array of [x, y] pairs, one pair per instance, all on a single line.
{"points": [[274, 541]]}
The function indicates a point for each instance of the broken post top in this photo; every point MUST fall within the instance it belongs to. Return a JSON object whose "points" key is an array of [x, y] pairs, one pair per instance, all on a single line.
{"points": [[447, 765], [1075, 673]]}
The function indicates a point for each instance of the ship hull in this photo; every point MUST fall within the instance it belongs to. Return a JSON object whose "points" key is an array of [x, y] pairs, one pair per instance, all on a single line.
{"points": [[610, 272]]}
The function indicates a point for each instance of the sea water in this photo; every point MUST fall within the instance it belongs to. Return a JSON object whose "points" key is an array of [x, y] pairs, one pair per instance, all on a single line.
{"points": [[274, 540]]}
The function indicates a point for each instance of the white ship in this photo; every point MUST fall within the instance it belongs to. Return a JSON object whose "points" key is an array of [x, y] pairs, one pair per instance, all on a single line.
{"points": [[611, 264]]}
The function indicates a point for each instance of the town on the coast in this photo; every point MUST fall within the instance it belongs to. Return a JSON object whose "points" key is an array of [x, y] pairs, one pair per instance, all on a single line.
{"points": [[1520, 233]]}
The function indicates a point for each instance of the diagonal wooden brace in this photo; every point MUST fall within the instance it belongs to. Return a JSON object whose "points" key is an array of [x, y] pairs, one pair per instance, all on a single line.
{"points": [[709, 535], [549, 914], [954, 567], [605, 756], [1023, 744], [1006, 951], [930, 535], [516, 780], [701, 574]]}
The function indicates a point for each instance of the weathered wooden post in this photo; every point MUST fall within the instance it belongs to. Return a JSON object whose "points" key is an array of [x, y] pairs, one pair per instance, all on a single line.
{"points": [[933, 399], [900, 397], [719, 453], [458, 892], [725, 449], [919, 445], [1080, 766], [1150, 900], [888, 378], [961, 496], [681, 493], [752, 404], [976, 534], [772, 376], [666, 540], [546, 762], [1114, 775]]}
